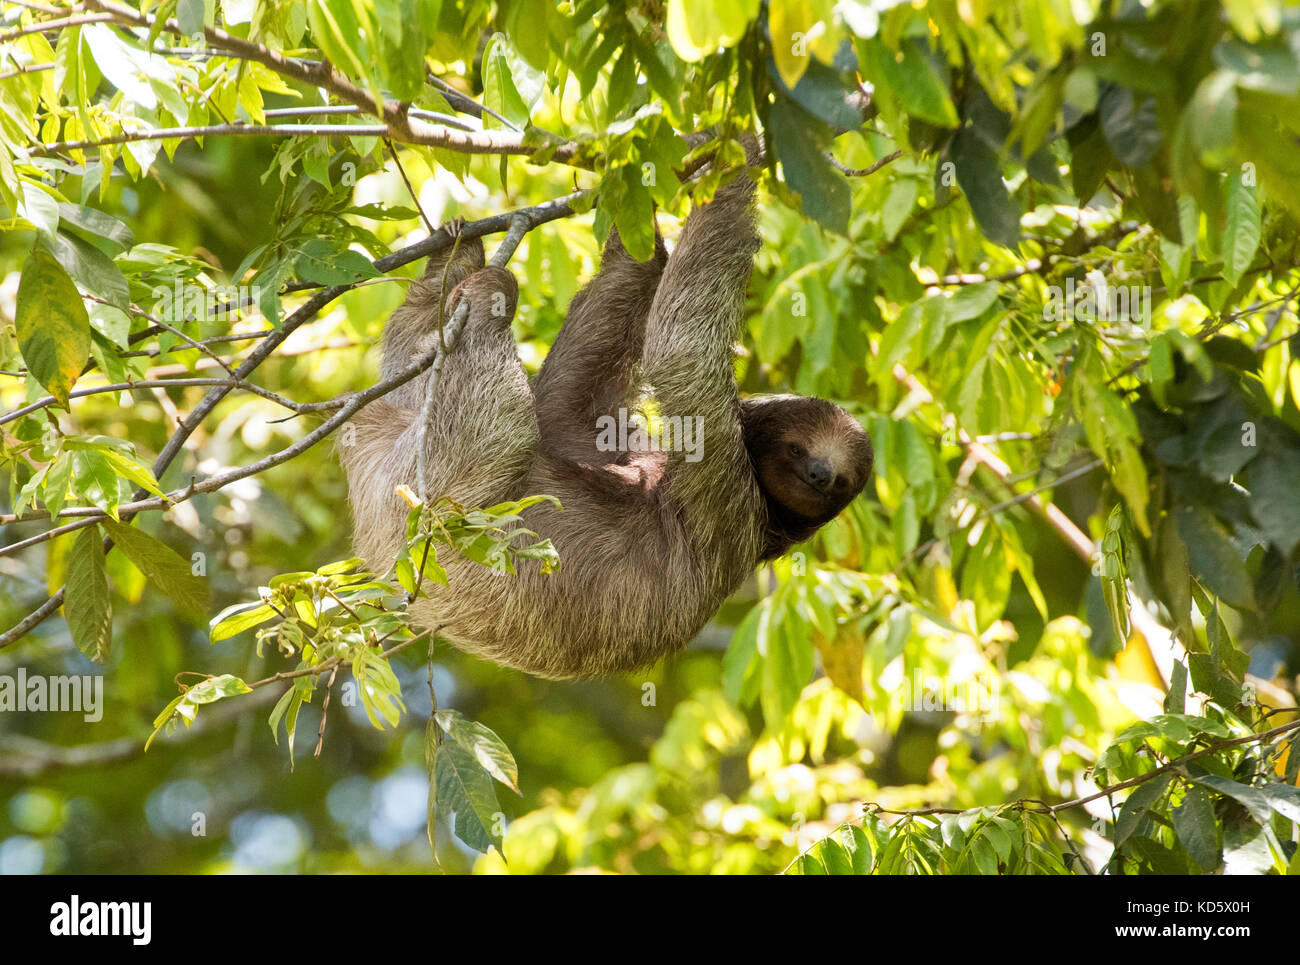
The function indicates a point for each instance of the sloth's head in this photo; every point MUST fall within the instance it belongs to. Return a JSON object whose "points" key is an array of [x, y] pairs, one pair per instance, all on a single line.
{"points": [[811, 458]]}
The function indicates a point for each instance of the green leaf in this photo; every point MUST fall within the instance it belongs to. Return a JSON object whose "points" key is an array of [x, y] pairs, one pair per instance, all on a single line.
{"points": [[1213, 117], [912, 78], [463, 786], [1283, 799], [1214, 558], [52, 325], [236, 619], [41, 211], [741, 665], [799, 143], [186, 706], [99, 224], [899, 337], [1131, 126], [823, 93], [788, 666], [898, 205], [337, 31], [622, 85], [403, 41], [190, 16], [1242, 233], [971, 301], [697, 28], [634, 216], [86, 604], [499, 91], [287, 708], [986, 859], [980, 178], [96, 481], [1272, 69], [1136, 806], [862, 849], [1195, 826], [1090, 158], [835, 858], [93, 270], [120, 457], [1176, 699], [488, 749], [1253, 798], [377, 686], [162, 566], [1273, 502], [327, 264]]}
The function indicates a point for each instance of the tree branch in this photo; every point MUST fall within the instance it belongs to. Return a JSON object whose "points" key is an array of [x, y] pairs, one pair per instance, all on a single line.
{"points": [[849, 172], [28, 758], [42, 26], [1039, 806], [399, 123], [439, 240], [214, 130]]}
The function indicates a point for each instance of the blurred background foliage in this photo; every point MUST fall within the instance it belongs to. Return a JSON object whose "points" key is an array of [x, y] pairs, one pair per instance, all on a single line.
{"points": [[1045, 148]]}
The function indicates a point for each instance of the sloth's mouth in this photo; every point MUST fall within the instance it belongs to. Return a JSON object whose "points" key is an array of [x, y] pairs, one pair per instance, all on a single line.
{"points": [[809, 485]]}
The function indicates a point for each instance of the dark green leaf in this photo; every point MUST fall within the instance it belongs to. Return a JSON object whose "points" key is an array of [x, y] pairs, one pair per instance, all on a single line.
{"points": [[52, 326], [162, 566], [1214, 558], [86, 603], [980, 177], [488, 749], [464, 787], [1194, 823], [1130, 125], [799, 143]]}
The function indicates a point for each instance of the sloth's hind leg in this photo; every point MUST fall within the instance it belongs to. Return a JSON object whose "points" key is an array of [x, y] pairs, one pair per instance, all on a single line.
{"points": [[483, 434], [420, 313]]}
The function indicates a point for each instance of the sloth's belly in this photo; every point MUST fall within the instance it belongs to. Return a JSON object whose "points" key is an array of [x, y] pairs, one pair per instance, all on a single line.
{"points": [[572, 623]]}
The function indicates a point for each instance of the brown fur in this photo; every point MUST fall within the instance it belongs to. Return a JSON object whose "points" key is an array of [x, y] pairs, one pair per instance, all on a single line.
{"points": [[650, 543]]}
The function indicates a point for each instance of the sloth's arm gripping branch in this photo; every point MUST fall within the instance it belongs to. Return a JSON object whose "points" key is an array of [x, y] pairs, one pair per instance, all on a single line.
{"points": [[687, 359]]}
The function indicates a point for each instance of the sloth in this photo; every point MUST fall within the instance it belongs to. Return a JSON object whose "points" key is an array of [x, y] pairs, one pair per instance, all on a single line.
{"points": [[651, 540]]}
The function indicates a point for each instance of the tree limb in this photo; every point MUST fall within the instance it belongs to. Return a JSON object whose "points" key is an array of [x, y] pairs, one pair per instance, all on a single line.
{"points": [[439, 240], [399, 123]]}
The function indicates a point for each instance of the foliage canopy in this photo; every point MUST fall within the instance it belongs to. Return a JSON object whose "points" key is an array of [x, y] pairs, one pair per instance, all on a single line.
{"points": [[1046, 252]]}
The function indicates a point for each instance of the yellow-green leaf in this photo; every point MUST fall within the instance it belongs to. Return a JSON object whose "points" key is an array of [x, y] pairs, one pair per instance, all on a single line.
{"points": [[52, 325]]}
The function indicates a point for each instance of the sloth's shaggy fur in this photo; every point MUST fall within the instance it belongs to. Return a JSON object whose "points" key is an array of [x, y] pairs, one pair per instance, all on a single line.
{"points": [[650, 543]]}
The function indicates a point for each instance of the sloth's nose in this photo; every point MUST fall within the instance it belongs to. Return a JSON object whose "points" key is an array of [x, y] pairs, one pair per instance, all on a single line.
{"points": [[819, 471]]}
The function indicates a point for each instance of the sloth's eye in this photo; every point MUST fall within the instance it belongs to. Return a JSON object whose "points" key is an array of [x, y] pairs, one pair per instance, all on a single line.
{"points": [[796, 450]]}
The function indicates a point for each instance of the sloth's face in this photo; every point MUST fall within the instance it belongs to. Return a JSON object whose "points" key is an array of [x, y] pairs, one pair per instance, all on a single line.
{"points": [[811, 458], [815, 483]]}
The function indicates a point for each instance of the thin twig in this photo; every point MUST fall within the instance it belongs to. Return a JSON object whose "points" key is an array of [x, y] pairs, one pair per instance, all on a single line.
{"points": [[27, 758], [42, 26], [237, 129], [398, 122], [464, 102], [192, 343], [129, 386], [1034, 804], [437, 241], [41, 7], [1039, 806], [415, 198], [849, 172], [330, 110], [36, 68]]}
